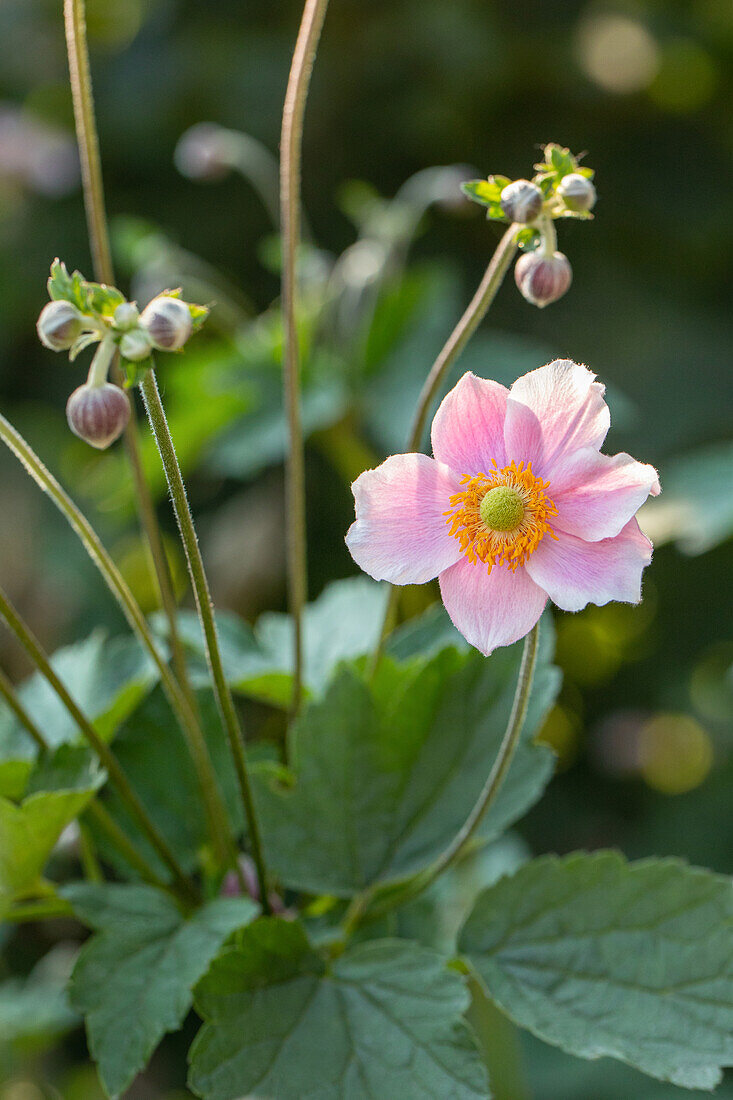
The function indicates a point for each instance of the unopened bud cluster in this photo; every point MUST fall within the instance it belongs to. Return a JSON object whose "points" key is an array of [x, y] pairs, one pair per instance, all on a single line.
{"points": [[561, 188], [83, 313]]}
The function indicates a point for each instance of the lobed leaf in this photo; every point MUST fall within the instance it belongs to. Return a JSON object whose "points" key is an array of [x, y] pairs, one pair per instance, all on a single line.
{"points": [[386, 774], [133, 979], [604, 957], [383, 1020]]}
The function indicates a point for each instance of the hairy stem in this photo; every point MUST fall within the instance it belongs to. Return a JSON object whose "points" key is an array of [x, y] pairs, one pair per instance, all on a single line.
{"points": [[99, 746], [200, 584], [91, 169], [454, 345], [291, 141], [213, 802], [456, 849]]}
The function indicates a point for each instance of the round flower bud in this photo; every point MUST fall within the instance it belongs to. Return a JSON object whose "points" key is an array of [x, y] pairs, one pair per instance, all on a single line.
{"points": [[577, 192], [126, 316], [98, 414], [135, 345], [543, 279], [59, 325], [168, 323], [521, 201]]}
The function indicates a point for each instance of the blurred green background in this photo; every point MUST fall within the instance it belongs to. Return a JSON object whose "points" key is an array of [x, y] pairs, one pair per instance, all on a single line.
{"points": [[643, 728]]}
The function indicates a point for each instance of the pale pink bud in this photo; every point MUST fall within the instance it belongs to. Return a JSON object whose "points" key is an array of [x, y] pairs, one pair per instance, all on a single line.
{"points": [[98, 414], [167, 322], [521, 201], [59, 325], [543, 279], [577, 192]]}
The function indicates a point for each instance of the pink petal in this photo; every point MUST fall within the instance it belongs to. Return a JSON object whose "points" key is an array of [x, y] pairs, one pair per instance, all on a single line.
{"points": [[596, 495], [400, 534], [574, 573], [468, 429], [552, 411], [494, 609]]}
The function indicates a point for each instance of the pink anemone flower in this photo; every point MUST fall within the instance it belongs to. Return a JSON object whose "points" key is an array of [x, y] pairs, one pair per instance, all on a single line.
{"points": [[517, 505]]}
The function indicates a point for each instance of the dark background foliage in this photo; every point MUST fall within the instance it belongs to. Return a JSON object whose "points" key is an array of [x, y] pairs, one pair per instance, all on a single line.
{"points": [[643, 725]]}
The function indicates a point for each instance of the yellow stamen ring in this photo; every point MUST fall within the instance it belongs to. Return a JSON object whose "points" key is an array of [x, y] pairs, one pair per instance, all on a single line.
{"points": [[501, 518]]}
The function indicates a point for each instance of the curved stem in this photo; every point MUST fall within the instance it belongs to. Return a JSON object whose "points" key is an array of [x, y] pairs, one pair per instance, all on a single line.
{"points": [[100, 747], [290, 162], [454, 345], [213, 803], [101, 362], [200, 584], [9, 694], [91, 169], [420, 882]]}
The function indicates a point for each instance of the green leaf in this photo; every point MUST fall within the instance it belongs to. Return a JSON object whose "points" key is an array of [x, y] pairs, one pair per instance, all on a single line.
{"points": [[198, 315], [602, 957], [259, 438], [134, 977], [528, 238], [37, 1008], [107, 678], [68, 288], [153, 754], [696, 508], [484, 192], [384, 1020], [343, 623], [29, 831], [103, 299], [386, 774]]}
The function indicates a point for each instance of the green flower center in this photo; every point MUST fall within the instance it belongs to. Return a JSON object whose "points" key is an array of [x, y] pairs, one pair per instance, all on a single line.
{"points": [[502, 509]]}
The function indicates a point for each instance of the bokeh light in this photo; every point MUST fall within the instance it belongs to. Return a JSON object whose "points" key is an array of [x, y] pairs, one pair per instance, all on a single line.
{"points": [[616, 52], [676, 753]]}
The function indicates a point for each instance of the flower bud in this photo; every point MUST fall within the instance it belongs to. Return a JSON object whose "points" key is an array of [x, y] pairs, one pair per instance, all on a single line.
{"points": [[543, 279], [59, 325], [577, 192], [521, 201], [98, 414], [126, 316], [168, 322], [135, 345]]}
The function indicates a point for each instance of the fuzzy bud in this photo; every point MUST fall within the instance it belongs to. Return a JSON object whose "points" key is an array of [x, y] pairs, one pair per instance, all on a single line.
{"points": [[136, 345], [543, 279], [98, 414], [126, 316], [59, 325], [167, 322], [577, 192], [521, 201]]}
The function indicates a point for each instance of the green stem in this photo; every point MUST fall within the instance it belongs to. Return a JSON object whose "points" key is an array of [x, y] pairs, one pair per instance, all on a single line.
{"points": [[456, 342], [95, 809], [91, 167], [200, 584], [40, 910], [291, 141], [213, 803], [457, 848], [99, 746], [89, 861]]}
